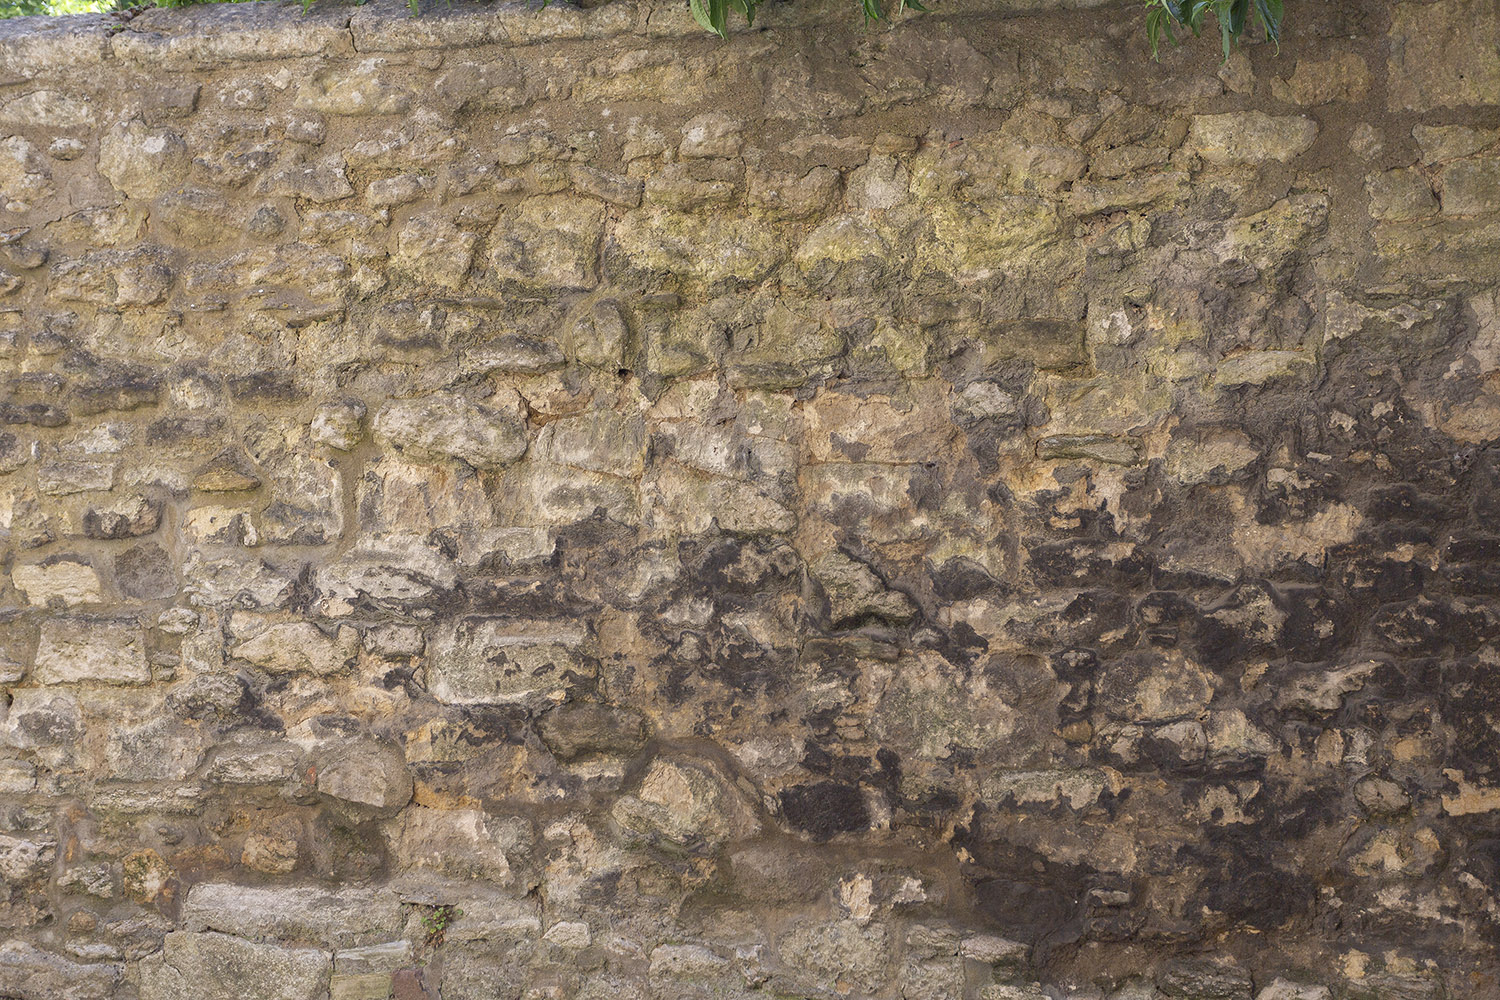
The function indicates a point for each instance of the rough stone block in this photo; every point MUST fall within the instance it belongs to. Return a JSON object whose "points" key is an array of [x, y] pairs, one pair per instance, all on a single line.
{"points": [[299, 647], [210, 966], [1445, 56], [30, 973], [341, 917], [1250, 137], [1472, 187], [502, 661], [447, 426], [91, 650]]}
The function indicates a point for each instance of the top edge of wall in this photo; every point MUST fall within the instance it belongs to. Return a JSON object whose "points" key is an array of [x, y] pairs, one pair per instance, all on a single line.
{"points": [[217, 34]]}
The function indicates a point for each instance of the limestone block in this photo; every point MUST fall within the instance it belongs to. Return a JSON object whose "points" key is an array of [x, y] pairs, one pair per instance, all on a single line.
{"points": [[211, 966], [341, 917], [446, 425], [478, 660], [364, 778], [58, 582], [91, 650], [1250, 137], [1472, 187]]}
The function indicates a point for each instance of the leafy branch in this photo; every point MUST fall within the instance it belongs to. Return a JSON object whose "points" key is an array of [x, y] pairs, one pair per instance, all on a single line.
{"points": [[714, 14], [1232, 17]]}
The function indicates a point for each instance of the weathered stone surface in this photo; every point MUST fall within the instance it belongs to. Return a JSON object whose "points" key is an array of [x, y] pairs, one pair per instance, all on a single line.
{"points": [[551, 242], [1443, 58], [29, 973], [1344, 76], [58, 583], [500, 661], [686, 802], [463, 843], [580, 730], [1472, 187], [142, 162], [1250, 137], [1401, 194], [333, 918], [210, 966], [41, 718], [299, 647], [448, 426], [364, 778], [74, 650], [525, 504]]}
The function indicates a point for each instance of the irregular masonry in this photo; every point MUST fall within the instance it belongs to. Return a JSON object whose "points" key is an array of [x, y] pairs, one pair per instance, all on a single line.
{"points": [[549, 504]]}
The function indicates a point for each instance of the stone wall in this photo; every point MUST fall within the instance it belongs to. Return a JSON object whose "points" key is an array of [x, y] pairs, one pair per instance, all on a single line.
{"points": [[549, 504]]}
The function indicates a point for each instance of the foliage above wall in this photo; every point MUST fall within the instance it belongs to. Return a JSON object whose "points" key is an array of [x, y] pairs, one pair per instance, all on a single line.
{"points": [[1232, 16]]}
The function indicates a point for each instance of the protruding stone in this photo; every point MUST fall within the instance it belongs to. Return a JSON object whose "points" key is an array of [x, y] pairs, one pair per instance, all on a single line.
{"points": [[129, 517], [364, 778], [465, 843], [339, 425], [142, 162], [686, 802], [580, 730], [1472, 187], [228, 473]]}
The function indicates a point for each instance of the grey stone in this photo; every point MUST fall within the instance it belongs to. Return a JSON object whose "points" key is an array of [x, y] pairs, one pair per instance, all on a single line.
{"points": [[209, 966], [90, 650], [504, 661], [29, 973], [341, 917], [1472, 187], [364, 778], [440, 427]]}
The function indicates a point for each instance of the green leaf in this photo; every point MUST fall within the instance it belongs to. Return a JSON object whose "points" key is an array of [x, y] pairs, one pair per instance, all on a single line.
{"points": [[1222, 14], [913, 5], [1269, 13], [710, 14], [1238, 15], [1196, 10], [872, 10]]}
